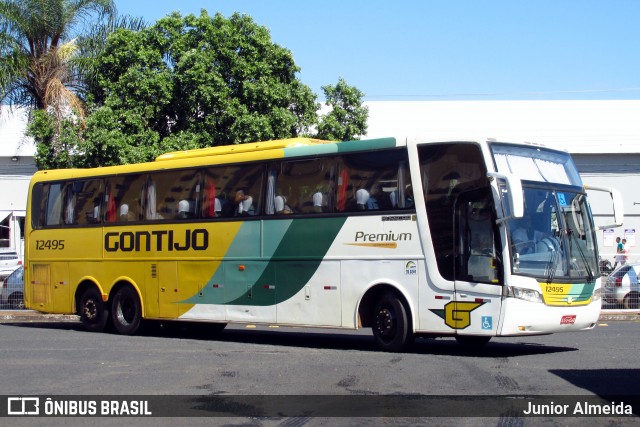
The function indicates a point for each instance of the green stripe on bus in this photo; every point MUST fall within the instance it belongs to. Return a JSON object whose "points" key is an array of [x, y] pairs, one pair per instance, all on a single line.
{"points": [[313, 237], [342, 147], [245, 279], [584, 291]]}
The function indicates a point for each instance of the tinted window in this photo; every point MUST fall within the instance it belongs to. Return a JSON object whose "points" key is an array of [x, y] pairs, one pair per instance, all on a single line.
{"points": [[232, 191]]}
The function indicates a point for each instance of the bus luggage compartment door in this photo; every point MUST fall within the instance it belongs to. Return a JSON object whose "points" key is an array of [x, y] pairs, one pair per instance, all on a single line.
{"points": [[250, 291]]}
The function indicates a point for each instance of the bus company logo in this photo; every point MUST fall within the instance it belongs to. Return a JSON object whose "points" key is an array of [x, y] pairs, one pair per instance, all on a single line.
{"points": [[568, 320], [158, 240], [411, 268], [456, 314], [23, 406]]}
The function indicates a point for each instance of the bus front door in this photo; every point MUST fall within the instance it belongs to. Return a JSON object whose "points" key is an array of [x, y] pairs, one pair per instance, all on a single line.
{"points": [[477, 266]]}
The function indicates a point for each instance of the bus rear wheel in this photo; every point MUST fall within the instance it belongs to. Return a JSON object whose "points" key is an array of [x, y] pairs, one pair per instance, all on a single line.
{"points": [[93, 311], [391, 326], [126, 311]]}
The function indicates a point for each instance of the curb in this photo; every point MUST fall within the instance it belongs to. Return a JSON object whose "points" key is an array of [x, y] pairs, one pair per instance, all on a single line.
{"points": [[9, 316]]}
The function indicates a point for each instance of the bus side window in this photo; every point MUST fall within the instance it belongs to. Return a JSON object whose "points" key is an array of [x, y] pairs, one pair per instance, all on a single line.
{"points": [[39, 197], [297, 186], [374, 181], [172, 195], [228, 186], [127, 194], [88, 194], [54, 204]]}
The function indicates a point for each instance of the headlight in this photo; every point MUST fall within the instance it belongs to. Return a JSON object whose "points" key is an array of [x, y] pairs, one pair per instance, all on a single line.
{"points": [[597, 294], [524, 294]]}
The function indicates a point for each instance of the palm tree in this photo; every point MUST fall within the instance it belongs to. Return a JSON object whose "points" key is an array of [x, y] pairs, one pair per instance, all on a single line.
{"points": [[36, 50], [92, 43]]}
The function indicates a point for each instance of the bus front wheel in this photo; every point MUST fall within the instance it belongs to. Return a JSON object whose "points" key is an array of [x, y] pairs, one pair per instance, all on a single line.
{"points": [[126, 311], [93, 311], [391, 325]]}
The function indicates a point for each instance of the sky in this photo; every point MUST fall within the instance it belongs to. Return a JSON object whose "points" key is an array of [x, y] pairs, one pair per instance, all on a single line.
{"points": [[447, 49]]}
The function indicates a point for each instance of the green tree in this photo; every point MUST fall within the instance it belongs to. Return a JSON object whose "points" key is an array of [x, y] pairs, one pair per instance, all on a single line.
{"points": [[36, 47], [197, 81], [182, 83], [91, 43], [347, 119]]}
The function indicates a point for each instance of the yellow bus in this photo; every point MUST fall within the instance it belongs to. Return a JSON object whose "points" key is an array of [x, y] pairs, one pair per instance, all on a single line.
{"points": [[468, 239]]}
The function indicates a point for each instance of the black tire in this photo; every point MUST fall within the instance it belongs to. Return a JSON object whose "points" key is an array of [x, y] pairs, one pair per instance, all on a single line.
{"points": [[16, 301], [471, 341], [630, 301], [391, 324], [93, 311], [126, 311]]}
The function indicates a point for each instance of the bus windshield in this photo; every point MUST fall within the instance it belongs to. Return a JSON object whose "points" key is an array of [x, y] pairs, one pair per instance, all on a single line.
{"points": [[536, 164], [555, 240]]}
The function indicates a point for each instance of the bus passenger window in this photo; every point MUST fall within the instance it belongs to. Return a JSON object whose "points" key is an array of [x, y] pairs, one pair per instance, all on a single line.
{"points": [[54, 205], [88, 195], [166, 191], [226, 186], [39, 205], [374, 181], [127, 192], [296, 186]]}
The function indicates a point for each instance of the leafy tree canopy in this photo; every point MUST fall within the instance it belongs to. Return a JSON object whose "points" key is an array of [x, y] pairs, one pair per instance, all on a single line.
{"points": [[190, 82], [347, 118]]}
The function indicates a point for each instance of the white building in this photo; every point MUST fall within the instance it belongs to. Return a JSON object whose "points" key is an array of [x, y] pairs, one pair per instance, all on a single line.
{"points": [[16, 167], [602, 136]]}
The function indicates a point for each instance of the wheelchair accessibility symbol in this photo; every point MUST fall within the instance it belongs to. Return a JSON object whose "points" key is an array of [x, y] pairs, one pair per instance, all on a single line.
{"points": [[487, 322]]}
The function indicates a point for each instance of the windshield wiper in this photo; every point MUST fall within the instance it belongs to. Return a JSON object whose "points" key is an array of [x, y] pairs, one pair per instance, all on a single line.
{"points": [[590, 275], [551, 267]]}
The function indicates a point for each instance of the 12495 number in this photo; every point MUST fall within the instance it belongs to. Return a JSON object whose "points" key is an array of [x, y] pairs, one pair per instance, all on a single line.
{"points": [[56, 245]]}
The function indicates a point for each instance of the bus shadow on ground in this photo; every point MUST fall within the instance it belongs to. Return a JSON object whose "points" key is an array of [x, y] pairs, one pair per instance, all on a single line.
{"points": [[321, 339], [614, 386], [603, 382]]}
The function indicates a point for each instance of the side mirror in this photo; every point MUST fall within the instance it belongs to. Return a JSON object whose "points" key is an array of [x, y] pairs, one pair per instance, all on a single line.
{"points": [[616, 198], [516, 198]]}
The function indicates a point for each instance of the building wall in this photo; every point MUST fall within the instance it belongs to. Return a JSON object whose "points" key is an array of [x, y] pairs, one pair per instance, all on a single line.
{"points": [[622, 172]]}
